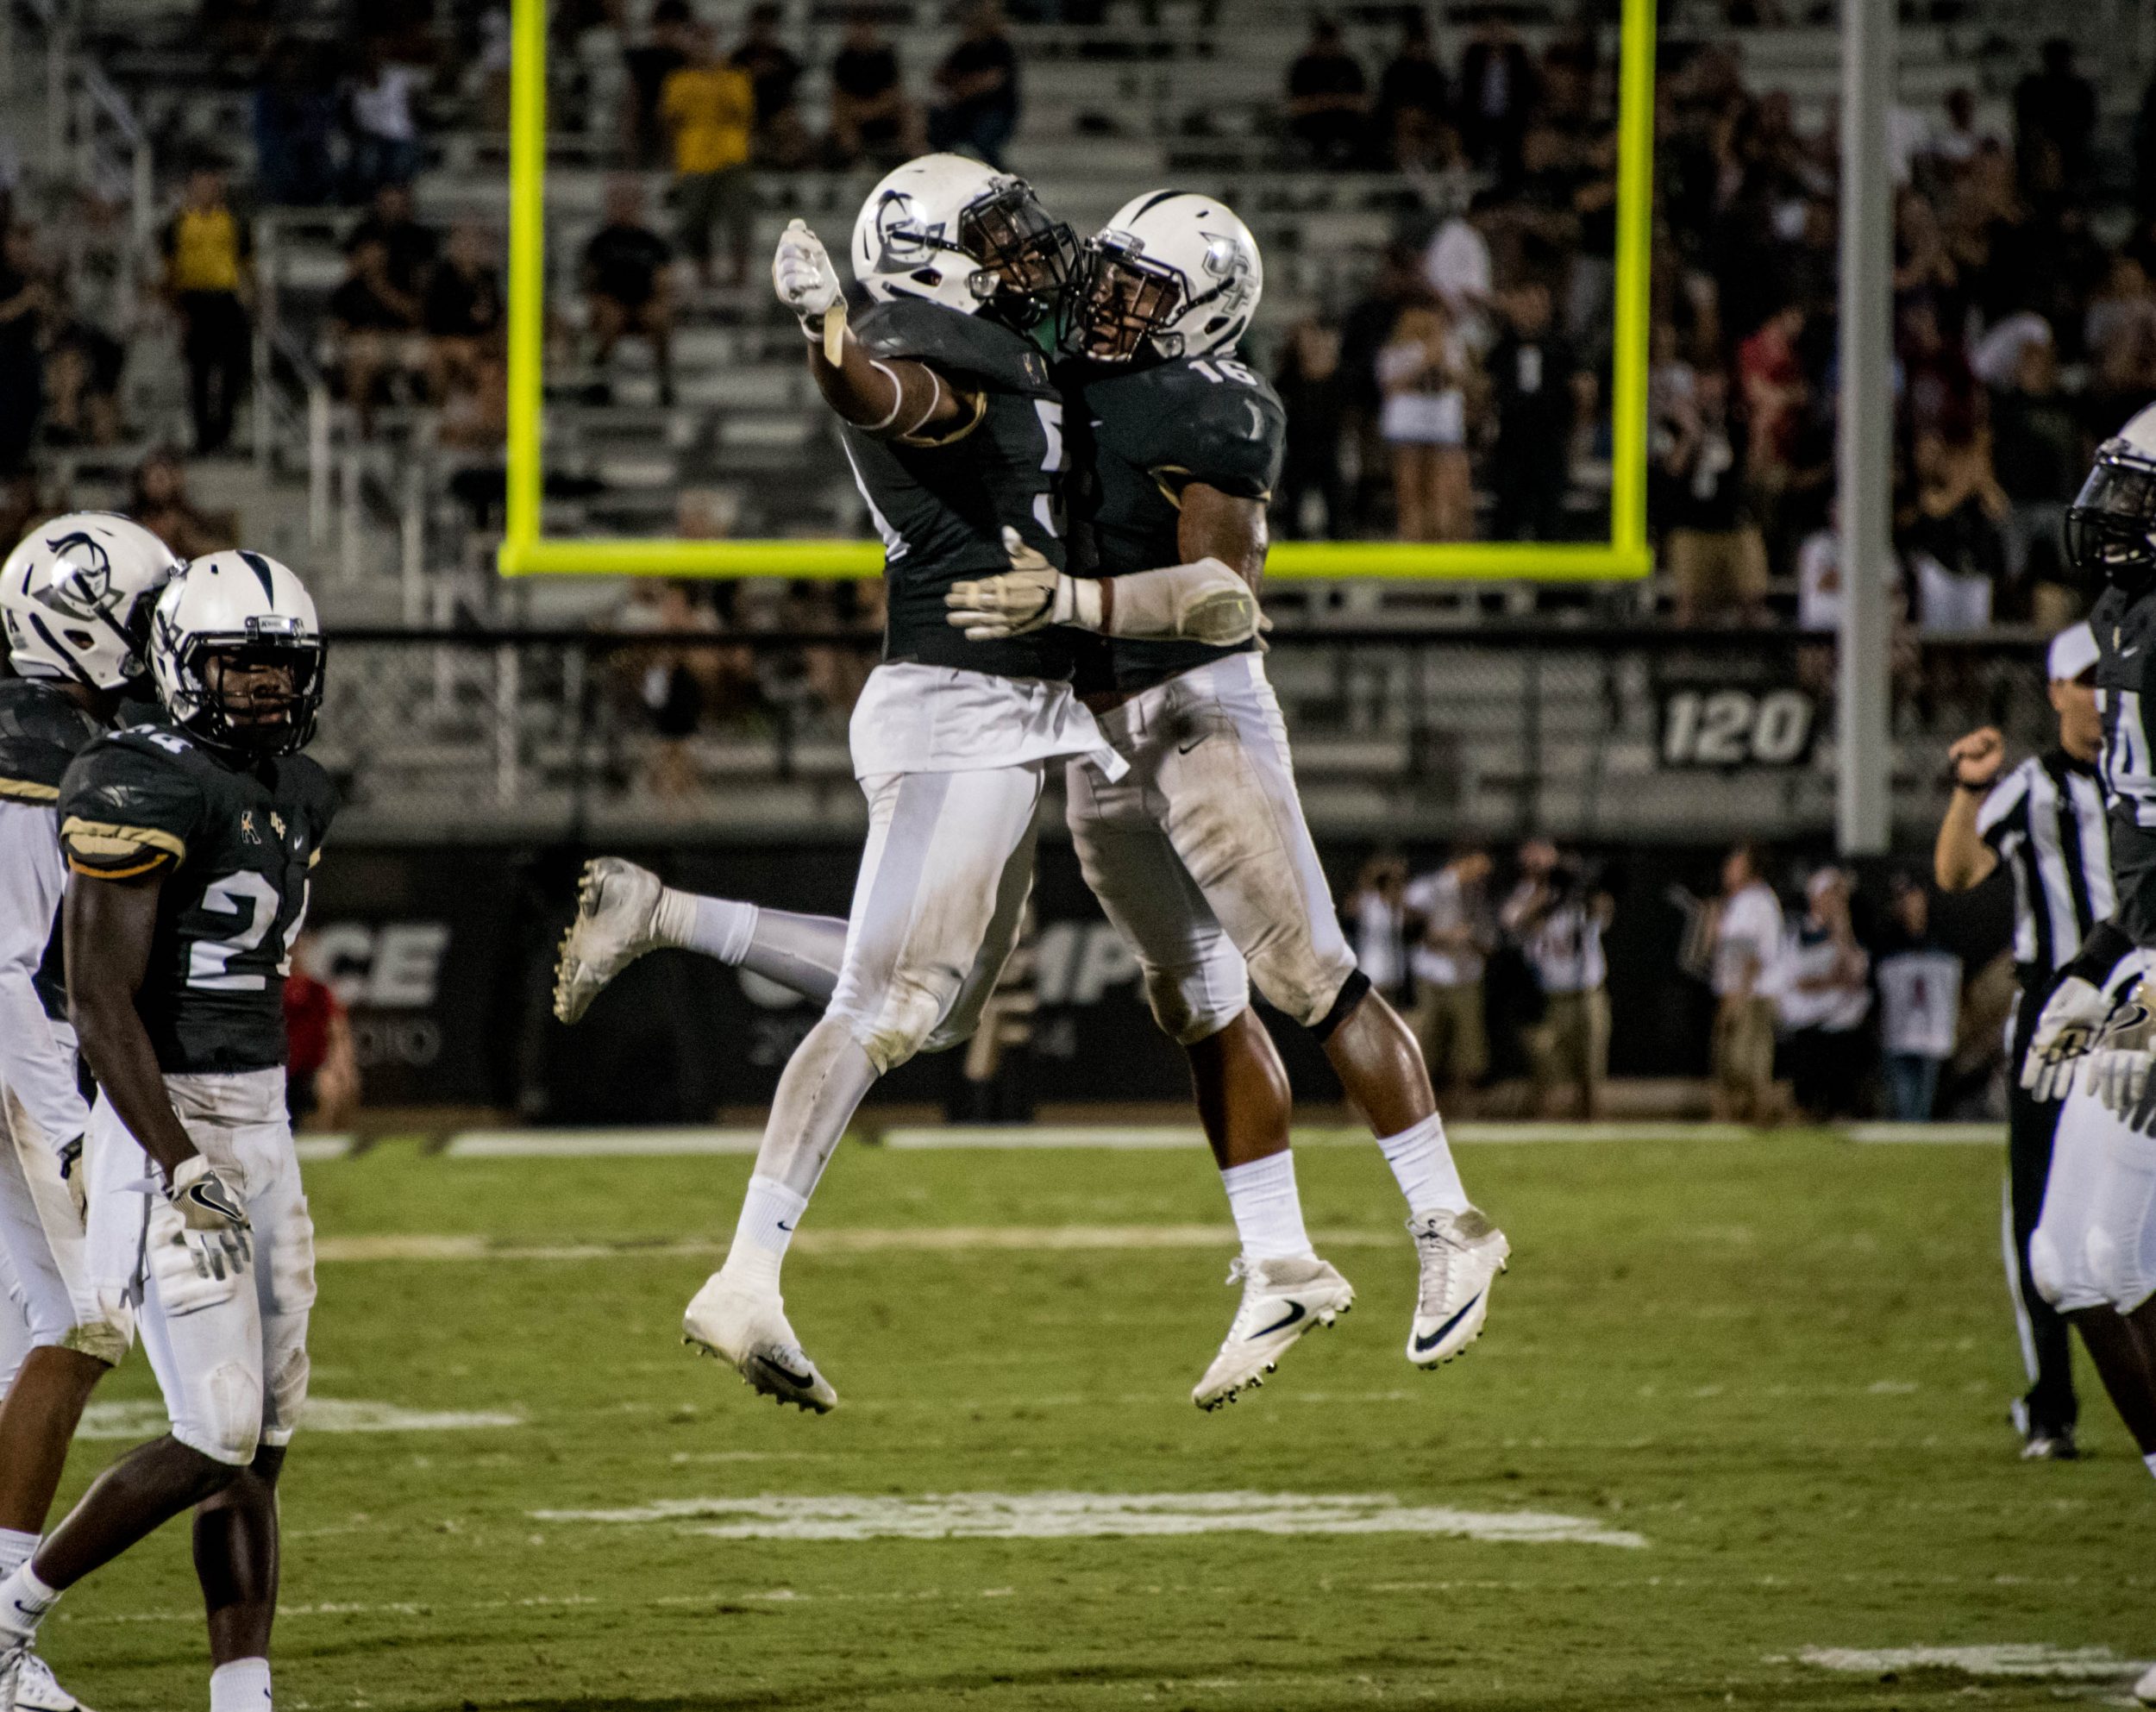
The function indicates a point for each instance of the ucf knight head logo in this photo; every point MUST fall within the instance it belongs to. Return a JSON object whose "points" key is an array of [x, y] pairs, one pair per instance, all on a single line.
{"points": [[80, 586], [902, 242]]}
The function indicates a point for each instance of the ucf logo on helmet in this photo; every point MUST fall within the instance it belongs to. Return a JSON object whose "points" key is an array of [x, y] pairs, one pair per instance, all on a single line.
{"points": [[81, 586]]}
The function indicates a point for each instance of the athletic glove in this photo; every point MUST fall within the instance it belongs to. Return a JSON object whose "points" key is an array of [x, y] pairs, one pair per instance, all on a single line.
{"points": [[802, 274], [1203, 602], [205, 1202], [76, 1176], [2117, 1069], [2072, 1018]]}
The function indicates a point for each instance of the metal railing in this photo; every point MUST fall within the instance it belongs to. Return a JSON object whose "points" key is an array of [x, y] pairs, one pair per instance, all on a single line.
{"points": [[1603, 734]]}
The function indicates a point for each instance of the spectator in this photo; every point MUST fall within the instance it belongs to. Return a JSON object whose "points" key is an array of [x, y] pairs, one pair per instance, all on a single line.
{"points": [[1496, 96], [1955, 539], [1411, 124], [709, 108], [2120, 332], [373, 323], [409, 248], [1530, 370], [26, 300], [2054, 123], [979, 82], [1457, 267], [159, 503], [1938, 391], [627, 283], [1376, 906], [871, 119], [1819, 582], [1449, 924], [1422, 373], [1557, 916], [463, 315], [668, 683], [295, 119], [384, 132], [1314, 395], [1772, 374], [782, 138], [1717, 558], [1960, 139], [474, 415], [1824, 996], [322, 1083], [2037, 451], [1920, 1001], [662, 52], [1328, 97], [209, 276], [1744, 929]]}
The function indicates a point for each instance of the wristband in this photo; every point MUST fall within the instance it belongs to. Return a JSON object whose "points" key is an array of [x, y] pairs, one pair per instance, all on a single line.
{"points": [[834, 332]]}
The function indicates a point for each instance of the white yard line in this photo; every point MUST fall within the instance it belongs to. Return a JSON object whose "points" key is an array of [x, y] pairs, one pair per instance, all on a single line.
{"points": [[636, 1144], [2076, 1664], [146, 1419], [868, 1239], [1091, 1515]]}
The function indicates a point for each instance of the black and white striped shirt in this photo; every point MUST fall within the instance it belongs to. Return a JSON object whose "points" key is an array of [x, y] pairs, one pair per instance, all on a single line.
{"points": [[2047, 820]]}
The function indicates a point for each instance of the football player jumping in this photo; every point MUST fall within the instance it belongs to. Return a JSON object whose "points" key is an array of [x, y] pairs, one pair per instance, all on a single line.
{"points": [[75, 598], [191, 838], [1182, 453], [955, 431]]}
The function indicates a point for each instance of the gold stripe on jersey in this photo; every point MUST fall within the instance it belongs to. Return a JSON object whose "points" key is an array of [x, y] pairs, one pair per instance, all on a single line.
{"points": [[94, 846], [313, 856], [27, 790], [934, 442]]}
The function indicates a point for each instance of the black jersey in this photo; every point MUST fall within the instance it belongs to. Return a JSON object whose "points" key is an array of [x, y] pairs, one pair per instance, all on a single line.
{"points": [[237, 843], [1141, 436], [42, 728], [941, 502], [2125, 629]]}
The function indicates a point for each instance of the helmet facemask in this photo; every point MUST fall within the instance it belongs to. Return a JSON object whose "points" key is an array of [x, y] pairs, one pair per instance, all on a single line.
{"points": [[256, 694], [1029, 257], [2111, 526], [1123, 303]]}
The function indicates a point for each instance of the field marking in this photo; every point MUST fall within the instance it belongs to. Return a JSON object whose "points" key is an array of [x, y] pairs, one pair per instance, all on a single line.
{"points": [[2075, 1663], [627, 1144], [146, 1418], [1091, 1515], [312, 1150], [1927, 1135], [865, 1239]]}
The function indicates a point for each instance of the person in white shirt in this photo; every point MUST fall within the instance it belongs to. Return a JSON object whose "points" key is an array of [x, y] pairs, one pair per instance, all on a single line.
{"points": [[1556, 918], [1824, 996], [1746, 935], [1919, 1007], [1380, 919], [1448, 915]]}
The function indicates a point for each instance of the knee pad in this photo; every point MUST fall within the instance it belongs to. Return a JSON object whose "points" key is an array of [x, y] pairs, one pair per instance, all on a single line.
{"points": [[1301, 981], [2044, 1269], [2063, 1279], [223, 1417], [905, 1022], [1190, 1007]]}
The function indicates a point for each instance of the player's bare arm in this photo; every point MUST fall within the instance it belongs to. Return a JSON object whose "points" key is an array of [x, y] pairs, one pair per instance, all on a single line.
{"points": [[898, 399], [1226, 528], [1961, 860]]}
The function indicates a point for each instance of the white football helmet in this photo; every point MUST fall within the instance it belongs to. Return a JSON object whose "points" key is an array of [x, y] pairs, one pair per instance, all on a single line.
{"points": [[964, 235], [236, 612], [76, 596], [1172, 271]]}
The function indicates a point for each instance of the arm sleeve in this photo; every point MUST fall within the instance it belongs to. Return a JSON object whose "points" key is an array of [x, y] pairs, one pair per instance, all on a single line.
{"points": [[34, 1064], [123, 813]]}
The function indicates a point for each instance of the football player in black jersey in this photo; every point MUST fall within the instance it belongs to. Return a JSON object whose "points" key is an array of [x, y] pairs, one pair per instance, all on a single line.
{"points": [[190, 837], [75, 598], [1196, 844], [954, 430]]}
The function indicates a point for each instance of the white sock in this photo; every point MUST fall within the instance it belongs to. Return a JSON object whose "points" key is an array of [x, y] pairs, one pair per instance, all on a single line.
{"points": [[2149, 1462], [16, 1547], [1422, 1162], [769, 1214], [24, 1600], [242, 1686], [715, 927], [1268, 1211]]}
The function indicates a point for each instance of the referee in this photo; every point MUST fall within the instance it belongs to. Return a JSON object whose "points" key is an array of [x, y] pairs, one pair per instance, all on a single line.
{"points": [[2047, 820]]}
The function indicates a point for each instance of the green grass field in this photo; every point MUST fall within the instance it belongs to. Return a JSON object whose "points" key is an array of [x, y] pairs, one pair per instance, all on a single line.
{"points": [[1781, 1365]]}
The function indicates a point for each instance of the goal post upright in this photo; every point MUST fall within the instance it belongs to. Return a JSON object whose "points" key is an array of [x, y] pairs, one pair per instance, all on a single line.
{"points": [[526, 549]]}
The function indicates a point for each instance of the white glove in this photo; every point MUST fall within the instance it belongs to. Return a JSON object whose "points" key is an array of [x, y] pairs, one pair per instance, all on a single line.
{"points": [[2072, 1018], [205, 1202], [1032, 595], [2117, 1075], [802, 275]]}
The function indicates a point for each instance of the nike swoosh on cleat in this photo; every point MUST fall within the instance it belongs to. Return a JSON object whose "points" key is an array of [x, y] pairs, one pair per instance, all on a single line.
{"points": [[803, 1380], [1296, 1311], [1423, 1345]]}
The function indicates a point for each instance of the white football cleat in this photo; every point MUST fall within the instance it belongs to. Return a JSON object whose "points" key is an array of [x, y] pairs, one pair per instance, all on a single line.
{"points": [[35, 1690], [2144, 1689], [746, 1328], [1281, 1300], [12, 1655], [616, 901], [1461, 1255]]}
